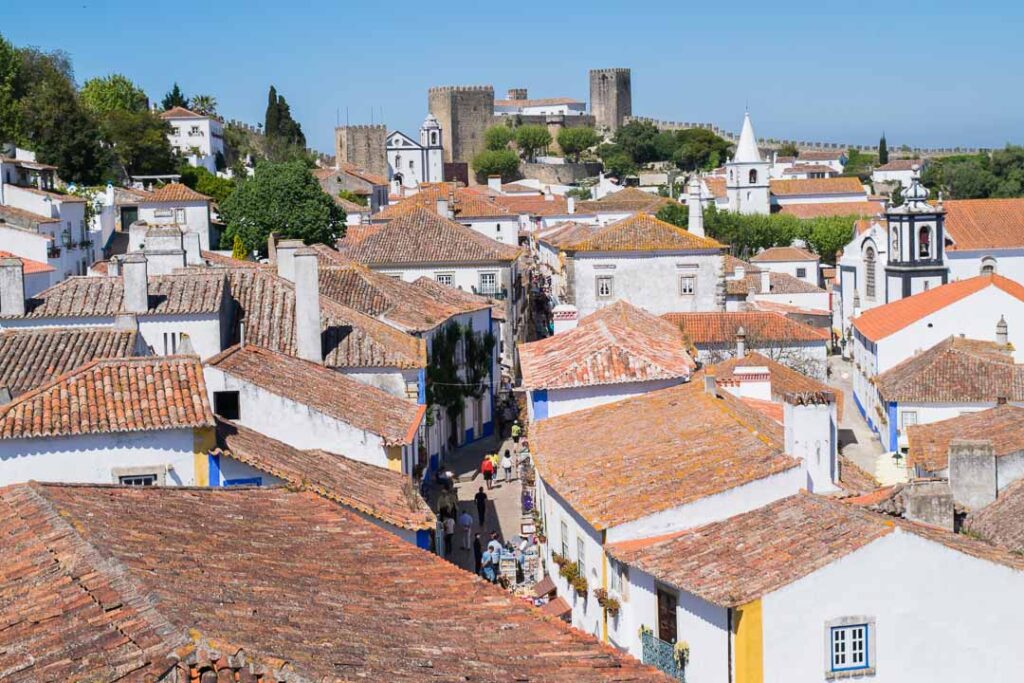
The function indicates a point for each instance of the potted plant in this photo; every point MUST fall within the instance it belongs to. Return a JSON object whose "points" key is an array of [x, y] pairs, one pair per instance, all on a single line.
{"points": [[579, 583], [607, 601], [681, 653]]}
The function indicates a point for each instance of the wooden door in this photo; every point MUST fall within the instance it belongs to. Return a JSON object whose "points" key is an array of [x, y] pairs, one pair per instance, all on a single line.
{"points": [[667, 616]]}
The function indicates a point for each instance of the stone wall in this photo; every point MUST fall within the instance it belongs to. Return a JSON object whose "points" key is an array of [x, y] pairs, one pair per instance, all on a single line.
{"points": [[553, 122], [363, 146], [611, 97], [972, 473], [561, 174], [464, 112]]}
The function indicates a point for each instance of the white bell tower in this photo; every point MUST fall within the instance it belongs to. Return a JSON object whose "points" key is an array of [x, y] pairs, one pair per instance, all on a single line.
{"points": [[433, 150], [746, 175]]}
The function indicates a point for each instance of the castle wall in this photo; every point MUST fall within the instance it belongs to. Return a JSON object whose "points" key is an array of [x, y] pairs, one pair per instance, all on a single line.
{"points": [[464, 113], [363, 146], [611, 97]]}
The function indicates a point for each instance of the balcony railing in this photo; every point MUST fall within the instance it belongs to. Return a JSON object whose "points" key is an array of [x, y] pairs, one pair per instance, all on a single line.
{"points": [[660, 654]]}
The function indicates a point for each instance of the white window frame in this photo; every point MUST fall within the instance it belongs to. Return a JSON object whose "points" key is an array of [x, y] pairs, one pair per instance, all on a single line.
{"points": [[118, 474], [904, 414], [610, 279], [801, 272], [180, 216], [564, 528], [687, 285], [441, 277], [581, 555], [490, 275], [840, 637]]}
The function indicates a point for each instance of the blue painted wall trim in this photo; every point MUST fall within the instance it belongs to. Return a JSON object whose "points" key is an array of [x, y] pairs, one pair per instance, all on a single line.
{"points": [[540, 403], [421, 383], [244, 481], [214, 469], [894, 439], [488, 428], [469, 435], [423, 539]]}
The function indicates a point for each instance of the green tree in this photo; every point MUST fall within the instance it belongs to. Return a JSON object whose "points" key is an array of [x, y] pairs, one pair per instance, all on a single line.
{"points": [[497, 137], [883, 151], [448, 383], [113, 93], [674, 213], [353, 197], [639, 141], [204, 104], [283, 198], [174, 98], [238, 249], [272, 117], [503, 162], [204, 182], [789, 149], [748, 234], [574, 141], [619, 164], [138, 141], [698, 148], [532, 139], [10, 114], [580, 193], [278, 123], [896, 196]]}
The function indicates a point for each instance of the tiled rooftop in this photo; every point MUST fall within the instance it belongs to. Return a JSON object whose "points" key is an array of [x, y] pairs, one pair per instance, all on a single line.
{"points": [[103, 583], [568, 232], [534, 205], [29, 267], [682, 445], [112, 395], [956, 370], [785, 380], [882, 321], [619, 343], [774, 254], [629, 199], [643, 232], [389, 496], [180, 113], [929, 443], [985, 223], [779, 283], [175, 192], [19, 219], [1002, 522], [825, 209], [465, 203], [761, 327], [91, 297], [421, 236], [331, 393], [459, 299], [818, 186], [30, 357]]}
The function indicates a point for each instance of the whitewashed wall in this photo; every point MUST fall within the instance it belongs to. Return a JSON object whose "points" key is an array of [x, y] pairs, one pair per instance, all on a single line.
{"points": [[561, 401], [810, 269]]}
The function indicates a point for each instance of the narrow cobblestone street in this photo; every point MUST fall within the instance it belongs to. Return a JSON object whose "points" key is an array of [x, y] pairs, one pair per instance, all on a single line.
{"points": [[856, 440]]}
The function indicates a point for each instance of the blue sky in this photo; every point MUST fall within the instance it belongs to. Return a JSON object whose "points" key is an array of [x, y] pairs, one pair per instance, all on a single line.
{"points": [[938, 73]]}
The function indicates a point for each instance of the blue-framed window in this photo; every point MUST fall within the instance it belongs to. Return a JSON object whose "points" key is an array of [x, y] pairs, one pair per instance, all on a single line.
{"points": [[849, 647], [246, 481]]}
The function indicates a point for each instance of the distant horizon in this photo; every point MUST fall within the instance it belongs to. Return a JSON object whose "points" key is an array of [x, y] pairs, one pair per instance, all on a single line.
{"points": [[804, 72]]}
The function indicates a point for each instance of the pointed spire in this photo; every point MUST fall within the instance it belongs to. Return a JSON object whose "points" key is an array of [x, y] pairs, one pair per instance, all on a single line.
{"points": [[746, 148]]}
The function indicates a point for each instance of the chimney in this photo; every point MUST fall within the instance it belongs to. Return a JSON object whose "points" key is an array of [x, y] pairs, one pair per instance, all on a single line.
{"points": [[741, 342], [12, 287], [126, 321], [272, 247], [808, 424], [565, 317], [442, 207], [494, 183], [193, 250], [136, 283], [695, 211], [571, 204], [739, 272], [548, 196], [286, 250], [307, 305], [114, 266], [766, 281], [710, 386], [972, 473], [1002, 332], [929, 502], [396, 187]]}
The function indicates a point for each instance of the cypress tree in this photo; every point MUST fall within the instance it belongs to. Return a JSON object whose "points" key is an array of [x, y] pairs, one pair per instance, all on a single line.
{"points": [[883, 151], [272, 121]]}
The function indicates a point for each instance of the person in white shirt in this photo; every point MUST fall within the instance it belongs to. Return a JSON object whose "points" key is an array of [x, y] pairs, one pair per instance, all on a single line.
{"points": [[466, 522]]}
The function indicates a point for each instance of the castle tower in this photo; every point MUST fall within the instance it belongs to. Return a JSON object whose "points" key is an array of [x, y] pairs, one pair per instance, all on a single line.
{"points": [[464, 113], [362, 146], [746, 175], [611, 97], [917, 258], [433, 151]]}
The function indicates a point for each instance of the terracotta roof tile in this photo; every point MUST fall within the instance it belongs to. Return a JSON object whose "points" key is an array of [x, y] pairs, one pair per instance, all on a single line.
{"points": [[761, 327], [716, 186], [1002, 522], [882, 321], [464, 202], [88, 297], [628, 199], [375, 491], [808, 168], [643, 232], [568, 232], [175, 192], [778, 283], [459, 299], [821, 186], [785, 380], [331, 393], [421, 236], [101, 584], [534, 205], [30, 357], [852, 478], [29, 266], [956, 370], [11, 217], [682, 445], [364, 175], [929, 443], [180, 113], [774, 254], [899, 165], [820, 156], [975, 224], [619, 343], [112, 395], [825, 209]]}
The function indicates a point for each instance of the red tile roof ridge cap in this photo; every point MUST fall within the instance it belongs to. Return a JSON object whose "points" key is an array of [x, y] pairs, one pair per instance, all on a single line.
{"points": [[718, 403]]}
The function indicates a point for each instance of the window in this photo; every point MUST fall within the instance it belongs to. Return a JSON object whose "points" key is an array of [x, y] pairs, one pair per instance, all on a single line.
{"points": [[225, 404], [687, 284], [565, 539], [411, 164], [869, 273], [605, 287], [138, 480], [179, 216], [909, 418], [443, 278], [849, 647], [171, 340], [244, 481], [194, 130], [988, 266], [801, 272], [488, 283], [924, 242], [753, 176], [581, 556], [619, 577]]}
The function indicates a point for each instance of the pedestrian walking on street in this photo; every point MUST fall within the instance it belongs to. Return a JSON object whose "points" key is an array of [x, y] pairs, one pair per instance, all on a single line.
{"points": [[449, 534], [487, 469], [517, 431], [466, 522], [478, 553], [494, 546], [481, 505], [506, 464], [489, 565]]}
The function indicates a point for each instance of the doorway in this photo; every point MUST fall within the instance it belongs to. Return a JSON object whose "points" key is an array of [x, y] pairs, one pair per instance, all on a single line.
{"points": [[667, 616]]}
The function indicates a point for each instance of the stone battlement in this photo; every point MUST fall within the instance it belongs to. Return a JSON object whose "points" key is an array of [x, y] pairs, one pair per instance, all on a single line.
{"points": [[613, 70], [362, 126], [461, 88]]}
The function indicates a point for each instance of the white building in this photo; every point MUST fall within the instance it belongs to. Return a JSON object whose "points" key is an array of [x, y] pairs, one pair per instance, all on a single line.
{"points": [[799, 604], [517, 102], [747, 175], [411, 163], [900, 171], [795, 261], [178, 205], [326, 410], [641, 260], [198, 138], [748, 286], [47, 435], [580, 366]]}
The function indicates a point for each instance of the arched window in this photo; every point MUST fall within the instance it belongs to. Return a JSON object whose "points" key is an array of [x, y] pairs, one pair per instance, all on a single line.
{"points": [[433, 138], [730, 176], [924, 242], [988, 266], [869, 272], [753, 176]]}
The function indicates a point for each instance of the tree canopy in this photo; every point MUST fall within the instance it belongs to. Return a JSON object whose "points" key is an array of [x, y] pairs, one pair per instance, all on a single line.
{"points": [[498, 137], [113, 93], [284, 198], [640, 142], [138, 141], [204, 182], [748, 234], [789, 149], [977, 176], [532, 139], [674, 213], [883, 151], [503, 162], [174, 98], [278, 123], [204, 104], [574, 141]]}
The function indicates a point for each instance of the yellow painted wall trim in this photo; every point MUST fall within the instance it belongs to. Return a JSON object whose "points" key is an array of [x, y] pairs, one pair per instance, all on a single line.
{"points": [[394, 456], [748, 643], [204, 439], [604, 585]]}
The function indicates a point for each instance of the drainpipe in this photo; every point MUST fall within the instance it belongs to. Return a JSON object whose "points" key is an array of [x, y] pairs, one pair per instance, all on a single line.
{"points": [[604, 584], [728, 641]]}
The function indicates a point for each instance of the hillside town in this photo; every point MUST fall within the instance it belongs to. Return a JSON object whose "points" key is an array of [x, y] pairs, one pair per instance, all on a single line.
{"points": [[546, 390]]}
